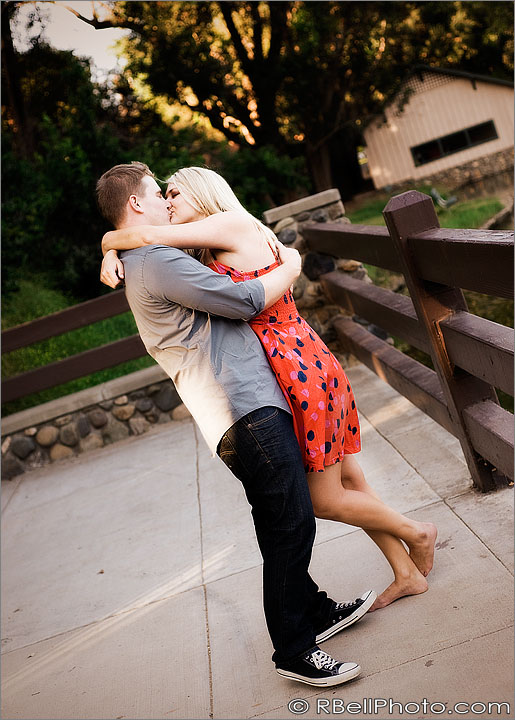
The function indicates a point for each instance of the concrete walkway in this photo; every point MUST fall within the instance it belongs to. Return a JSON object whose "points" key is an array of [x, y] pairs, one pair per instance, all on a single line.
{"points": [[132, 584]]}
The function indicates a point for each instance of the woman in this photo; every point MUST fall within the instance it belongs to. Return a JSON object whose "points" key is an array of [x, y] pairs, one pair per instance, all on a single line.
{"points": [[206, 215]]}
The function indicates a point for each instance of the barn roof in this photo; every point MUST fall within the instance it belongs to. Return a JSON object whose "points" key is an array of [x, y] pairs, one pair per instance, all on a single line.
{"points": [[473, 77]]}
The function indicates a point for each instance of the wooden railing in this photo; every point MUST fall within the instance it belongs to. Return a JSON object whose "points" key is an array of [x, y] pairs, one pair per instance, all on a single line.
{"points": [[75, 366], [471, 355]]}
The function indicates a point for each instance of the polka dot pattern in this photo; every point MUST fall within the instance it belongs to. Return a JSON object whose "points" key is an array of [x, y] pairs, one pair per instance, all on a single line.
{"points": [[314, 383]]}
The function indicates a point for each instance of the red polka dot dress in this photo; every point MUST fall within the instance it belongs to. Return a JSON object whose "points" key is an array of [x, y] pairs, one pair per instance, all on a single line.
{"points": [[325, 416]]}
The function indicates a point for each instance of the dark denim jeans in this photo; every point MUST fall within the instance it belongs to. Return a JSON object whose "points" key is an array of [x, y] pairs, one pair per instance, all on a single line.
{"points": [[262, 451]]}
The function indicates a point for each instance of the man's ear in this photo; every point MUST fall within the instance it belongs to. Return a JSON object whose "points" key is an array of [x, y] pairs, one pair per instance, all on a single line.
{"points": [[133, 204]]}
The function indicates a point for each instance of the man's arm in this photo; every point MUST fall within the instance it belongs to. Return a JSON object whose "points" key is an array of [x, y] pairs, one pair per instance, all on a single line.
{"points": [[174, 276]]}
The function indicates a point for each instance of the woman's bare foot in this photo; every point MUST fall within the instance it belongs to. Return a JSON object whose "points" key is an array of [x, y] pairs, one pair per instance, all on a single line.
{"points": [[415, 584], [422, 550]]}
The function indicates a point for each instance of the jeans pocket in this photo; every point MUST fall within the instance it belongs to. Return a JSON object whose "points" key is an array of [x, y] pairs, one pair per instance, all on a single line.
{"points": [[274, 412]]}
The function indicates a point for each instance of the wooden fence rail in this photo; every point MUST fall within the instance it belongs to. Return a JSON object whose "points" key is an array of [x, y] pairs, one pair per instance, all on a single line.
{"points": [[75, 366], [471, 356]]}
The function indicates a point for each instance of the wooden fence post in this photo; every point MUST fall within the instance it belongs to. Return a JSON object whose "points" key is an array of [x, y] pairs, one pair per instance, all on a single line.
{"points": [[406, 215]]}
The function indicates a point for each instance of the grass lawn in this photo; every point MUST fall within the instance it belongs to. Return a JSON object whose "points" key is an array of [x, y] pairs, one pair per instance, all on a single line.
{"points": [[467, 214]]}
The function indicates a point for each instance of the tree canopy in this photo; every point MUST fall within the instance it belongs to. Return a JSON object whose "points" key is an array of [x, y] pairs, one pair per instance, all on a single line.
{"points": [[303, 77], [286, 88]]}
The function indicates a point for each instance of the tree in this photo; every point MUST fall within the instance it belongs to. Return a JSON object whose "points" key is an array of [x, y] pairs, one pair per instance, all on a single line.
{"points": [[11, 86], [78, 129], [302, 77]]}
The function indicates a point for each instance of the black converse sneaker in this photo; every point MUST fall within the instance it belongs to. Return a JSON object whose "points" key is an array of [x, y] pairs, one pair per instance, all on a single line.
{"points": [[345, 614], [320, 669]]}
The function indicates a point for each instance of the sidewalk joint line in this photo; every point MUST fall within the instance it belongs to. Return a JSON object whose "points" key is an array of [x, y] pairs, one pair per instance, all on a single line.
{"points": [[14, 492], [204, 588]]}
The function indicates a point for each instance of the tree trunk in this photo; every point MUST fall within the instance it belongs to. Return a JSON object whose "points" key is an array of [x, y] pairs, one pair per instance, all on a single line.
{"points": [[346, 171], [319, 165]]}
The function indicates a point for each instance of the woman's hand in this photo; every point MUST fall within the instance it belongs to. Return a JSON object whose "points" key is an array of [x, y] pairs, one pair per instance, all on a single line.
{"points": [[289, 256], [111, 272]]}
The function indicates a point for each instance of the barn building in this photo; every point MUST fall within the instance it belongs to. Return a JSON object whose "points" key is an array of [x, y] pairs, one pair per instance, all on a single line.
{"points": [[455, 127]]}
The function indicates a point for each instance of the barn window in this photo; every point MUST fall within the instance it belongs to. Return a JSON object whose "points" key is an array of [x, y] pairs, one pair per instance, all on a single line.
{"points": [[453, 143]]}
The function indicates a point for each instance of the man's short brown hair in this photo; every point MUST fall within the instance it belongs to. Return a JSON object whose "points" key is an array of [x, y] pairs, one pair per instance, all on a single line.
{"points": [[116, 186]]}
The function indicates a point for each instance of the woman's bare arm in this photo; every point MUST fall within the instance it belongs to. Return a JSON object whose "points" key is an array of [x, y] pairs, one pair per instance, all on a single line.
{"points": [[222, 231]]}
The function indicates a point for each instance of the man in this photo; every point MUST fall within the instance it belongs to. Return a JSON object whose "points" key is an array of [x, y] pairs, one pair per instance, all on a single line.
{"points": [[192, 323]]}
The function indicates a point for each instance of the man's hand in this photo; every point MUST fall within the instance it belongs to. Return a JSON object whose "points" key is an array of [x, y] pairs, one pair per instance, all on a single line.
{"points": [[111, 272]]}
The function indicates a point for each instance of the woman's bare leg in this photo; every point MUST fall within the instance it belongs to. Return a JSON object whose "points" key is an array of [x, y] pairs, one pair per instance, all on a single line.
{"points": [[408, 580], [332, 501]]}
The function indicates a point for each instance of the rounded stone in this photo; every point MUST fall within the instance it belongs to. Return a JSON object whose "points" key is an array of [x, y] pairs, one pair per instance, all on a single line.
{"points": [[343, 219], [303, 216], [360, 274], [152, 416], [163, 418], [64, 420], [311, 297], [348, 265], [167, 398], [83, 426], [153, 389], [106, 404], [22, 446], [377, 331], [60, 452], [6, 445], [336, 210], [181, 412], [283, 223], [11, 467], [123, 412], [287, 236], [37, 459], [300, 244], [144, 405], [320, 216], [97, 417], [137, 394], [91, 442], [316, 264], [122, 400], [30, 431], [138, 425], [114, 431], [69, 435], [47, 435], [299, 286]]}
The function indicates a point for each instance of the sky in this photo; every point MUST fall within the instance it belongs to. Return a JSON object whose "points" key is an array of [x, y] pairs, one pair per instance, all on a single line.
{"points": [[64, 31]]}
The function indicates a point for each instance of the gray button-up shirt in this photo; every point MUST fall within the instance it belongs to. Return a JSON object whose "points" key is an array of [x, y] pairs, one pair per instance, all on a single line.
{"points": [[190, 320]]}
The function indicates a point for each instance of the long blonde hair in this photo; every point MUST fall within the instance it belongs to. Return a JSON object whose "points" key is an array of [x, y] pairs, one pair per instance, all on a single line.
{"points": [[208, 193]]}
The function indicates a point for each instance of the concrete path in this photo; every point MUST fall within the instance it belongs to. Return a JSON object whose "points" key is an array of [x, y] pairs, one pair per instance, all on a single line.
{"points": [[132, 585]]}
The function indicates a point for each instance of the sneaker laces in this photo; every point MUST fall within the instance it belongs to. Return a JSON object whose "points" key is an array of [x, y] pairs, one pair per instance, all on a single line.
{"points": [[345, 605], [322, 660]]}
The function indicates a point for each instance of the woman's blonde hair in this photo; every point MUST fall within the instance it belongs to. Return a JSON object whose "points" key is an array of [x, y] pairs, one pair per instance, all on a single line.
{"points": [[208, 193]]}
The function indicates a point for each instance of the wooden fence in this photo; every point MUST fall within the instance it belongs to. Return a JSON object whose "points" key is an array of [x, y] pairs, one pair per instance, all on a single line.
{"points": [[471, 356], [75, 366]]}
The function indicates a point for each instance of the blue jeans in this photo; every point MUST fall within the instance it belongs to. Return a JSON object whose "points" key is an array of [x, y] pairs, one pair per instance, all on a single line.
{"points": [[261, 450]]}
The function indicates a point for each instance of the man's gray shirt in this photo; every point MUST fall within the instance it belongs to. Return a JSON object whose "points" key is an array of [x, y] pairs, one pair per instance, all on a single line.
{"points": [[190, 321]]}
